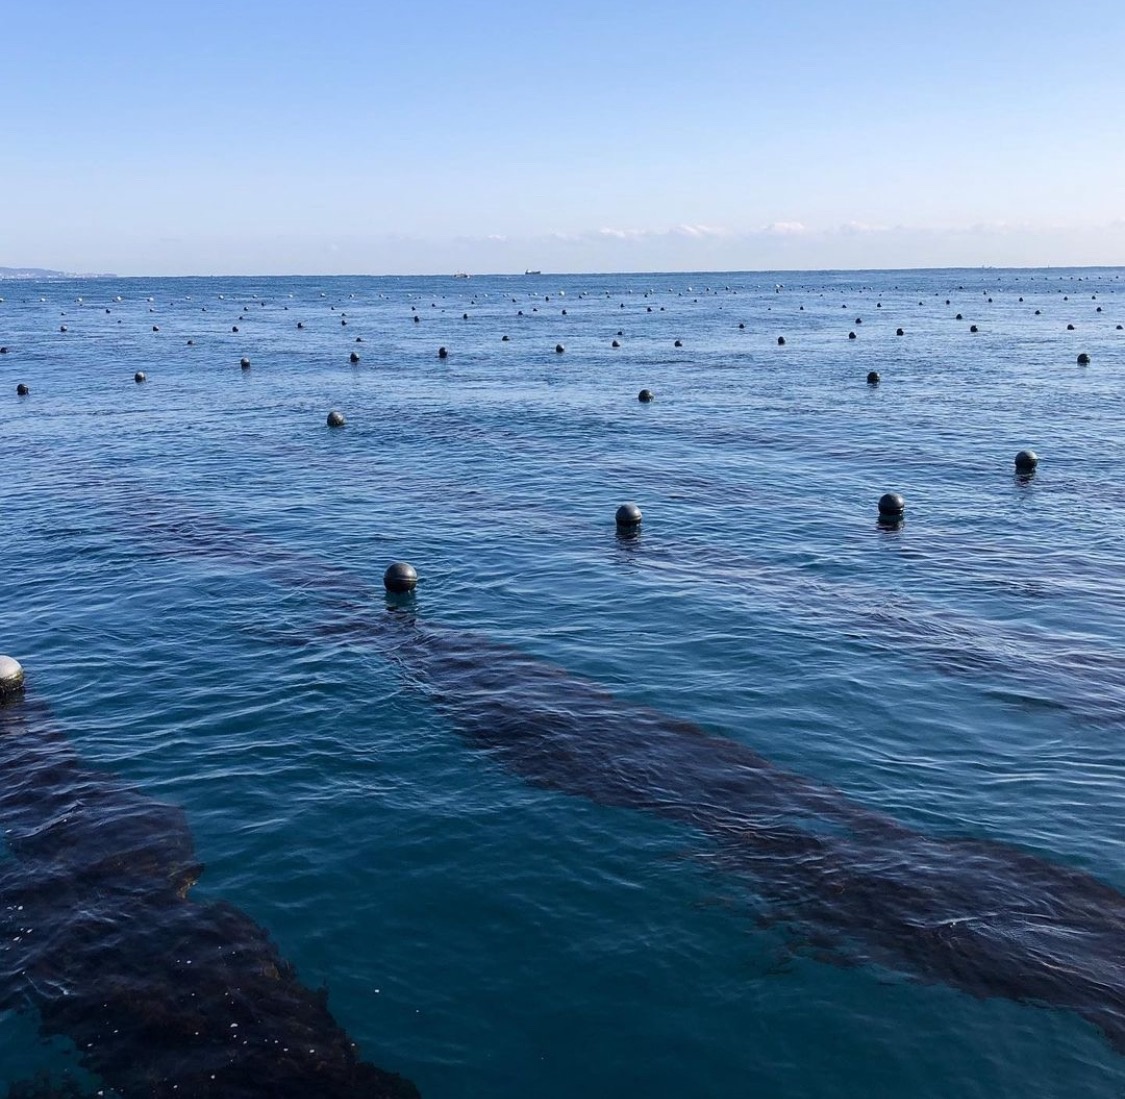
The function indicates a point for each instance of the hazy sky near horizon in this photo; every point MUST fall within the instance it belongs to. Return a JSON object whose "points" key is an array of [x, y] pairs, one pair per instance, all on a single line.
{"points": [[342, 137]]}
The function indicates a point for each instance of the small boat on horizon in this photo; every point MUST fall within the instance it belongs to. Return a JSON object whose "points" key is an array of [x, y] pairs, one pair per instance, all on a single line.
{"points": [[529, 272], [461, 275]]}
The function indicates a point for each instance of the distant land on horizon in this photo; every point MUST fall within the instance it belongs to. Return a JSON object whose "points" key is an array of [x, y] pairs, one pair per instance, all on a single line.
{"points": [[46, 273]]}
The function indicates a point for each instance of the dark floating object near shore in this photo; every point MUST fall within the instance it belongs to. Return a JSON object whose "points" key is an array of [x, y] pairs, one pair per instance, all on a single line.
{"points": [[678, 343], [244, 362], [1026, 461], [615, 344], [139, 376], [780, 341], [504, 339], [234, 327], [958, 317], [11, 676], [156, 328], [851, 335], [464, 316], [353, 357], [973, 328], [1083, 359], [859, 320], [4, 350], [22, 390], [191, 343], [336, 419], [628, 516], [899, 332], [1038, 312], [62, 327], [644, 396], [400, 577], [741, 324], [300, 324], [891, 506], [1070, 327], [417, 319], [442, 353], [559, 349], [873, 377]]}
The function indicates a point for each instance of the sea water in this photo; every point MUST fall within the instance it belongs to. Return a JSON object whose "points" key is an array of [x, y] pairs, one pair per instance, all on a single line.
{"points": [[189, 562]]}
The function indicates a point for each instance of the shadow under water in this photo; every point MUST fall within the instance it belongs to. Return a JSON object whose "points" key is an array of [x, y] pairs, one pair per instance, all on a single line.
{"points": [[160, 995], [981, 916]]}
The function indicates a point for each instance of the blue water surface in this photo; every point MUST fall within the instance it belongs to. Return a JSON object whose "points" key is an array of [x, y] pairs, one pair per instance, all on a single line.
{"points": [[192, 582]]}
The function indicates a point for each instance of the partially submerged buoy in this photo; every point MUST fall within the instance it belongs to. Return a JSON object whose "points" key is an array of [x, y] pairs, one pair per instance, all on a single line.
{"points": [[400, 577], [11, 676]]}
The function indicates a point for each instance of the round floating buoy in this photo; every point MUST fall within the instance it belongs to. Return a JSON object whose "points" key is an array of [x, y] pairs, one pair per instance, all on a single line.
{"points": [[973, 328], [400, 577], [4, 350], [859, 320], [503, 339], [958, 317], [139, 376], [1026, 461], [873, 377], [628, 516], [343, 322], [678, 343], [899, 332], [156, 328], [464, 316], [191, 343], [11, 675], [851, 335], [417, 319], [780, 341], [1038, 312], [353, 357], [1070, 327], [1083, 359], [234, 327], [62, 327], [891, 506], [22, 390], [244, 363], [336, 419], [442, 353], [644, 396], [615, 344], [559, 349], [741, 325], [300, 324]]}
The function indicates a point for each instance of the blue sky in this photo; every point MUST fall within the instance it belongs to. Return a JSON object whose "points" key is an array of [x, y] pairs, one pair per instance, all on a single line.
{"points": [[341, 137]]}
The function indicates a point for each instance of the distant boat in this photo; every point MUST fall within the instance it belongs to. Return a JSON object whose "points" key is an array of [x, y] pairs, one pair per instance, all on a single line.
{"points": [[533, 272], [461, 275]]}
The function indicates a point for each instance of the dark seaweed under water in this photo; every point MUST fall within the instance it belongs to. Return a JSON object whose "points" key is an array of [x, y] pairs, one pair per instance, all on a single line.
{"points": [[768, 800]]}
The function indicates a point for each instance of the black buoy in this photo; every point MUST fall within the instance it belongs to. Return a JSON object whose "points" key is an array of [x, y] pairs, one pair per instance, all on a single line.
{"points": [[442, 353], [891, 506], [780, 341], [645, 396], [1083, 359], [300, 324], [899, 332], [503, 339], [615, 344], [62, 327], [1070, 327], [1026, 461], [973, 328], [873, 377], [191, 343], [628, 517], [400, 577], [244, 362], [155, 328], [22, 390], [139, 376], [336, 419], [353, 357], [851, 335], [234, 327], [678, 343], [559, 349], [958, 317], [4, 350]]}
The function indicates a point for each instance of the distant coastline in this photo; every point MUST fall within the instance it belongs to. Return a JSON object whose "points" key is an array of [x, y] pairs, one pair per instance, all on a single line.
{"points": [[40, 273]]}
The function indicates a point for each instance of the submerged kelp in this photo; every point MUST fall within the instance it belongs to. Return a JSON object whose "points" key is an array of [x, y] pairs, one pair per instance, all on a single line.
{"points": [[161, 996]]}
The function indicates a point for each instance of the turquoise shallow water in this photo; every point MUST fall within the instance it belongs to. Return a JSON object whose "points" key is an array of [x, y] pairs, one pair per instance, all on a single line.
{"points": [[463, 816]]}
